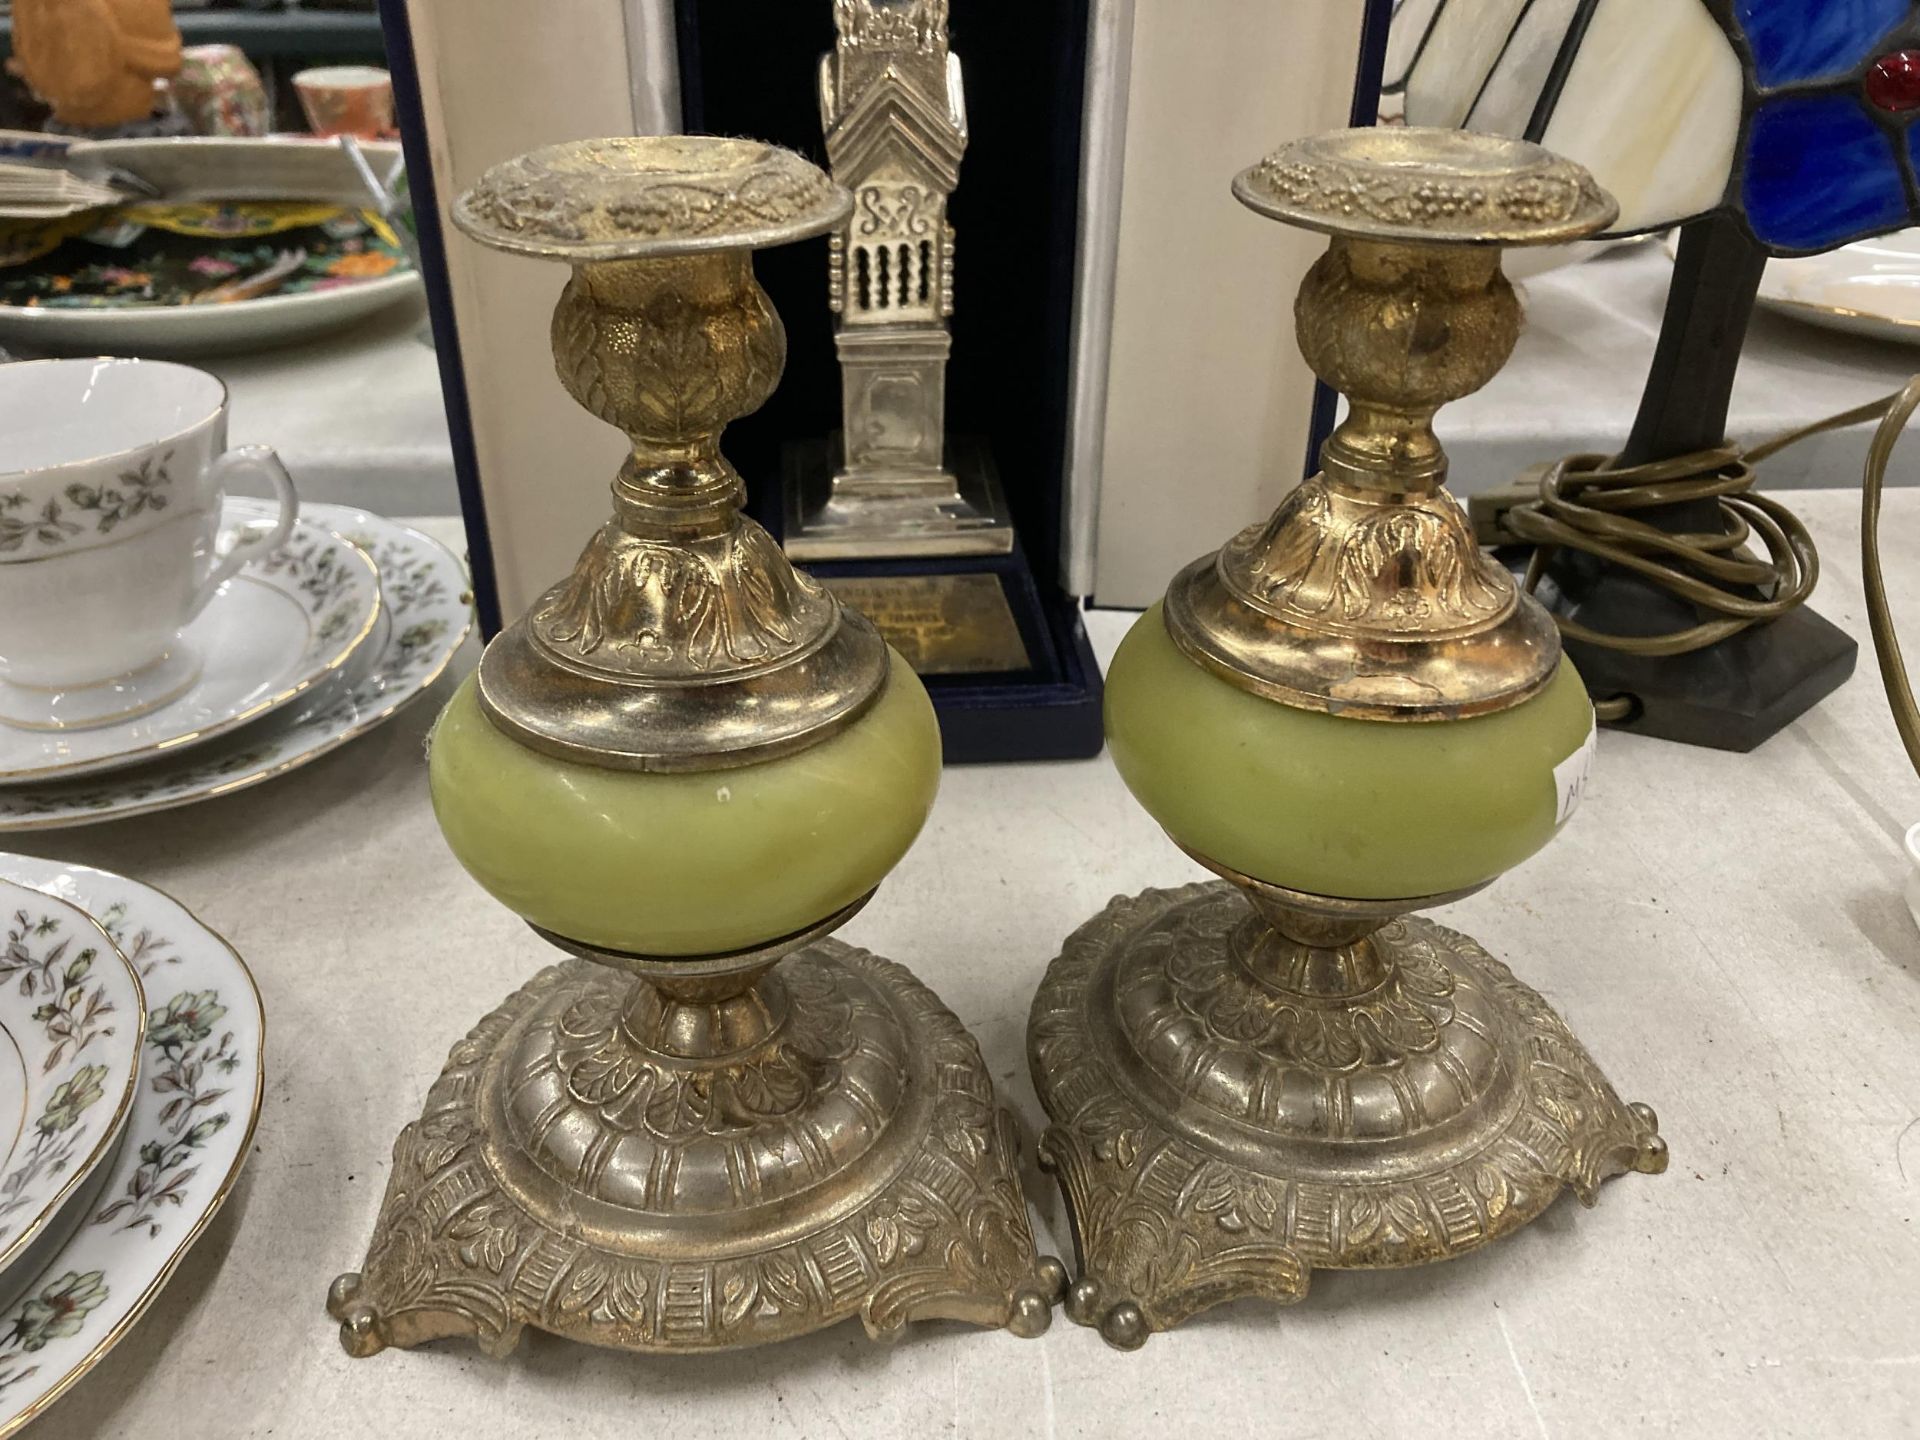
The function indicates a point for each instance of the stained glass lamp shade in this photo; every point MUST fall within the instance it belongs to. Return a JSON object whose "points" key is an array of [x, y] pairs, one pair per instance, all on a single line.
{"points": [[1794, 115], [1760, 128]]}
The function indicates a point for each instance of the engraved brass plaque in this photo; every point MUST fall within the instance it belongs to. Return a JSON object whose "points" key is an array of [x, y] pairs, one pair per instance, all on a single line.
{"points": [[943, 624]]}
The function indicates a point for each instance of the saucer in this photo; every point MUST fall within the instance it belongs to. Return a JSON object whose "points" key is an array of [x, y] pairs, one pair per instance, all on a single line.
{"points": [[125, 697], [427, 613], [187, 1135], [72, 1018], [282, 625]]}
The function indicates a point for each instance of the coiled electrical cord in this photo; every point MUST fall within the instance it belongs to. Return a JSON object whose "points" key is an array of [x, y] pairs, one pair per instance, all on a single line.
{"points": [[1587, 504]]}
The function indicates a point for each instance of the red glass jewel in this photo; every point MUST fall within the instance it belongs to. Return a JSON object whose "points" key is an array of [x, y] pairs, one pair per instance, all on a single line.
{"points": [[1893, 81]]}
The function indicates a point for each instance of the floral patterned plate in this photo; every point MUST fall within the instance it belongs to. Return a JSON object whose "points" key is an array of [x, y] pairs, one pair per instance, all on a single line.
{"points": [[152, 254], [281, 626], [136, 278], [72, 1017], [191, 1125], [206, 329], [430, 610]]}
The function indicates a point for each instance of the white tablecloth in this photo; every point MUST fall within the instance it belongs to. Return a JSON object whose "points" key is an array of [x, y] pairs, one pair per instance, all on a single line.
{"points": [[357, 415], [1725, 932]]}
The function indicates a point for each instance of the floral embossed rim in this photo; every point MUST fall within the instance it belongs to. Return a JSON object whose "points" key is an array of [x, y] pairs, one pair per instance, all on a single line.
{"points": [[75, 1008], [652, 195], [425, 590], [191, 1128], [1405, 183]]}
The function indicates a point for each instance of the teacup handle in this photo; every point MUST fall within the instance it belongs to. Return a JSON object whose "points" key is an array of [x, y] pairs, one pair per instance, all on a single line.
{"points": [[249, 460]]}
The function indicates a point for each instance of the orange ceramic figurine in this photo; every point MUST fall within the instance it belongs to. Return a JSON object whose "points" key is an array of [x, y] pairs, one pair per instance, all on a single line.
{"points": [[95, 61]]}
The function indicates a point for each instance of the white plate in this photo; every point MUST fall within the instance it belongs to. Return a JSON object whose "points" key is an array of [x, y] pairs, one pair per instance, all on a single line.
{"points": [[1871, 287], [72, 1018], [203, 329], [430, 610], [242, 167], [278, 628], [191, 1125]]}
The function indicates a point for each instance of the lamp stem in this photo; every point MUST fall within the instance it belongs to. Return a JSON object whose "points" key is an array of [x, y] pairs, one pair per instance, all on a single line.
{"points": [[1716, 276]]}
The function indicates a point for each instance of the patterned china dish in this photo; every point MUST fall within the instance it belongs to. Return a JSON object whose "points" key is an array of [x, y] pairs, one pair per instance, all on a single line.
{"points": [[72, 1018], [428, 612], [188, 1133], [283, 625], [197, 275]]}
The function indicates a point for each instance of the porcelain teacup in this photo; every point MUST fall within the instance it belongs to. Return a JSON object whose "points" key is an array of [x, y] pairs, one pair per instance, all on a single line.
{"points": [[352, 100], [111, 477]]}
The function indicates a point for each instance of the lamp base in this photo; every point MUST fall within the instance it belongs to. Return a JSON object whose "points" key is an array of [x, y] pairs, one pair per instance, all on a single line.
{"points": [[1233, 1109], [665, 1167], [1733, 695]]}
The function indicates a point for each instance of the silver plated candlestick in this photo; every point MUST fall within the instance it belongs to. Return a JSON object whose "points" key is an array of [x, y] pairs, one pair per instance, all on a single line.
{"points": [[1350, 714], [714, 1126]]}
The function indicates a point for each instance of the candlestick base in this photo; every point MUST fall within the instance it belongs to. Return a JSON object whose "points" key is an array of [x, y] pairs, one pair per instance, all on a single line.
{"points": [[736, 1158], [1236, 1104]]}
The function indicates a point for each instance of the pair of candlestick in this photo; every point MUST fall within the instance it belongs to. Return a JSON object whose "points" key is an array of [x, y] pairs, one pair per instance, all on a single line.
{"points": [[688, 764]]}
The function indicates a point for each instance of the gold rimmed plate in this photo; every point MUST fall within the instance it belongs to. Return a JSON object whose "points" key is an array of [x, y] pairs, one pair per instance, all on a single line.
{"points": [[187, 1135], [282, 626], [74, 1017], [1870, 287]]}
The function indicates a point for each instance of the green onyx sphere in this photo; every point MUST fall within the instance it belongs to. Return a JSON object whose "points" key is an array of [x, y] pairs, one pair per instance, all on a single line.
{"points": [[686, 864], [1362, 809]]}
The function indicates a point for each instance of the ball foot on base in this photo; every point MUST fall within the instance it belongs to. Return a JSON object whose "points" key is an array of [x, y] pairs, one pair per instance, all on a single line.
{"points": [[1651, 1158], [359, 1326], [1121, 1325]]}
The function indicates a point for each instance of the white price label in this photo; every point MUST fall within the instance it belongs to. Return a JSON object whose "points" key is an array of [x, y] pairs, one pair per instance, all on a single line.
{"points": [[1570, 777]]}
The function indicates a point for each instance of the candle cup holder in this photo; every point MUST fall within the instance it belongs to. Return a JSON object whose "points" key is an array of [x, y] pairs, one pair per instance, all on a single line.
{"points": [[1350, 714], [714, 1126]]}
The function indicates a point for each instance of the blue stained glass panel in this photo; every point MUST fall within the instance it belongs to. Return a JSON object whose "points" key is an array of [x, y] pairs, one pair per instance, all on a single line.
{"points": [[1798, 40], [1819, 173]]}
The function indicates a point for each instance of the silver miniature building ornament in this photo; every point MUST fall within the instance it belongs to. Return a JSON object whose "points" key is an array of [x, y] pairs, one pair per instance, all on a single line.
{"points": [[895, 118]]}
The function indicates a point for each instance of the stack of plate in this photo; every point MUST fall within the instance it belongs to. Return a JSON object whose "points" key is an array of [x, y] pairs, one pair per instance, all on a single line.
{"points": [[67, 280], [330, 635], [130, 1081]]}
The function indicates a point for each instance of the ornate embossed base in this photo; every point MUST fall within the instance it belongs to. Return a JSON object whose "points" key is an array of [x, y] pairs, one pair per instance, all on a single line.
{"points": [[693, 1166], [1233, 1108]]}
